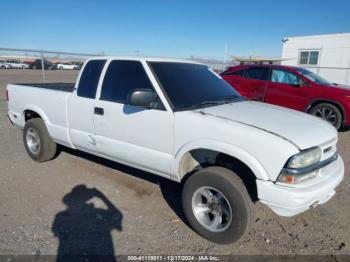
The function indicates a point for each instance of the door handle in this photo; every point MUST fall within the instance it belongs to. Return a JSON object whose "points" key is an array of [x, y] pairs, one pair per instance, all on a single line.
{"points": [[99, 111]]}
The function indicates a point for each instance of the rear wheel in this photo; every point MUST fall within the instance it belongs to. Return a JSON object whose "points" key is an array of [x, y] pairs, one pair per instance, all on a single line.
{"points": [[37, 141], [328, 112], [217, 205]]}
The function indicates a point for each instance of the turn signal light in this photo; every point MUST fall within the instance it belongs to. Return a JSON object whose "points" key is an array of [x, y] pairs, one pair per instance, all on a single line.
{"points": [[290, 179]]}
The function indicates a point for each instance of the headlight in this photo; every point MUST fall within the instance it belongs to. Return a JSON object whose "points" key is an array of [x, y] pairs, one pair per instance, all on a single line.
{"points": [[305, 158], [293, 173]]}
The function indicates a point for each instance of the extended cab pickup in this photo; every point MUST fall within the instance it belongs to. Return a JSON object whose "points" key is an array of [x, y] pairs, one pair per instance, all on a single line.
{"points": [[180, 120]]}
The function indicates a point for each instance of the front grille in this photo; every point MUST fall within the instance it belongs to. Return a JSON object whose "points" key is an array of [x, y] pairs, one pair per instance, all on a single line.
{"points": [[326, 150]]}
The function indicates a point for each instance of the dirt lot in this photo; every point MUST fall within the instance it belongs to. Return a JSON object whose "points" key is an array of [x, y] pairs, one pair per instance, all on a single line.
{"points": [[144, 214]]}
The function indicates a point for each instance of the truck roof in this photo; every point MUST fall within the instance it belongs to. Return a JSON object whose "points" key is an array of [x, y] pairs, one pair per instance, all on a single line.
{"points": [[145, 58]]}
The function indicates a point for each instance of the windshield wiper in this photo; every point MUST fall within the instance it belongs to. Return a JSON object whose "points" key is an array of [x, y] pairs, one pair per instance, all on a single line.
{"points": [[231, 99], [210, 103], [226, 100], [203, 104]]}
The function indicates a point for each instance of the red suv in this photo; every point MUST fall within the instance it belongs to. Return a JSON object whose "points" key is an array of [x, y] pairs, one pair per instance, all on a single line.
{"points": [[292, 87]]}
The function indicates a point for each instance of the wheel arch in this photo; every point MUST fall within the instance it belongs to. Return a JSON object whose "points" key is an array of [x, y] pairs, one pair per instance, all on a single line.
{"points": [[219, 148], [33, 111], [207, 152], [200, 155], [329, 101]]}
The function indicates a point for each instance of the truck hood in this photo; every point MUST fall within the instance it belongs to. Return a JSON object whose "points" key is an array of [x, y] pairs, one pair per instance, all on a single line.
{"points": [[300, 129]]}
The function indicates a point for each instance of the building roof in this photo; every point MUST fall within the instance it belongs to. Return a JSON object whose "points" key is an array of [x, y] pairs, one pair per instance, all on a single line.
{"points": [[320, 36]]}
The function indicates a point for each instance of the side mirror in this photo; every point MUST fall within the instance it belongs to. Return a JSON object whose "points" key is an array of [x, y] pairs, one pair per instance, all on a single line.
{"points": [[141, 97]]}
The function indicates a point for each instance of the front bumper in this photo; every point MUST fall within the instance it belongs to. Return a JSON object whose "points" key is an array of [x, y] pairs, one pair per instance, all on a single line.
{"points": [[292, 200]]}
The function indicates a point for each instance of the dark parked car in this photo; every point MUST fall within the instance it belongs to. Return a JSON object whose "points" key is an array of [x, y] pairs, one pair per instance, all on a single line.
{"points": [[37, 64]]}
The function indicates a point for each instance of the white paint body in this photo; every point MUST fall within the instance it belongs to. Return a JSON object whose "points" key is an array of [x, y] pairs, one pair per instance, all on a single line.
{"points": [[3, 65], [262, 136], [66, 66], [334, 57], [16, 64]]}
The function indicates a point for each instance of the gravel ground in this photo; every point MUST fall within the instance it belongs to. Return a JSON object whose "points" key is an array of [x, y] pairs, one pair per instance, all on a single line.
{"points": [[38, 206]]}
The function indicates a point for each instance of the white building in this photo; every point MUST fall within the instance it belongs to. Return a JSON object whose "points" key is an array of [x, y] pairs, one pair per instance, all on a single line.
{"points": [[325, 55]]}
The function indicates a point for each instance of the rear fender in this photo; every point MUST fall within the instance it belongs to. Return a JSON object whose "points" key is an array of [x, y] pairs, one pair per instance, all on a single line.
{"points": [[37, 110]]}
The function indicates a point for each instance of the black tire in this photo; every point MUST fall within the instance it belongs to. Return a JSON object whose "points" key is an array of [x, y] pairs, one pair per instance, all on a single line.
{"points": [[234, 191], [329, 113], [47, 149], [34, 67]]}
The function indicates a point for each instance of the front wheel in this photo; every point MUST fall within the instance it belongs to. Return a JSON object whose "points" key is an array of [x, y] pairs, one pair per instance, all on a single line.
{"points": [[217, 205], [328, 112], [37, 141]]}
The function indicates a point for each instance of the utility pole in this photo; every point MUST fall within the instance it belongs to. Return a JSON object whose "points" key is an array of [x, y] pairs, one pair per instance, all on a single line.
{"points": [[225, 53], [43, 67], [225, 57]]}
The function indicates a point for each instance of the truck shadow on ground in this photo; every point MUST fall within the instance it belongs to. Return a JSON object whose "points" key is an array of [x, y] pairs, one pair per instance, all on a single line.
{"points": [[83, 230], [171, 190]]}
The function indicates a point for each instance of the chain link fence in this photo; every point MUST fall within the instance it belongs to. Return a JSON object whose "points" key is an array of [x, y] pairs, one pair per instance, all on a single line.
{"points": [[44, 60]]}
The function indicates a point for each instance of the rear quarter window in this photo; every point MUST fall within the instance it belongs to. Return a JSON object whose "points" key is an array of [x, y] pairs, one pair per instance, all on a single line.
{"points": [[257, 73], [89, 79]]}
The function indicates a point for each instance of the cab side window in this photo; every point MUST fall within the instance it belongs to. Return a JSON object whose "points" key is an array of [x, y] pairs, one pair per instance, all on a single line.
{"points": [[122, 77], [285, 77]]}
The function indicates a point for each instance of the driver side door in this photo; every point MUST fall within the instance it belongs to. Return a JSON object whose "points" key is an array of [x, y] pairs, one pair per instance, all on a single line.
{"points": [[129, 134]]}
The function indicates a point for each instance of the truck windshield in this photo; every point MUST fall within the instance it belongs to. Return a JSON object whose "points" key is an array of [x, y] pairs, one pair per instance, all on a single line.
{"points": [[313, 77], [192, 86]]}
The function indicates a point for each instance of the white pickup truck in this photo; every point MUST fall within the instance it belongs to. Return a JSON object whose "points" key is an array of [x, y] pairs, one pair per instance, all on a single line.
{"points": [[180, 120]]}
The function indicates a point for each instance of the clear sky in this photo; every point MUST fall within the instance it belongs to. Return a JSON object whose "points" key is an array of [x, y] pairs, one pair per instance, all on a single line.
{"points": [[167, 28]]}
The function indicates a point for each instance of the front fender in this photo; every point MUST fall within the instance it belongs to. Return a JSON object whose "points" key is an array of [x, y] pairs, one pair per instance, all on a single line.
{"points": [[221, 147]]}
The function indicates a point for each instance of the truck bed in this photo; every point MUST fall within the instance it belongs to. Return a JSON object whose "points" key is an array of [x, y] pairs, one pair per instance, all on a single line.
{"points": [[65, 87]]}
